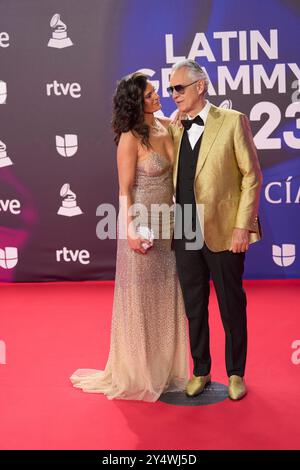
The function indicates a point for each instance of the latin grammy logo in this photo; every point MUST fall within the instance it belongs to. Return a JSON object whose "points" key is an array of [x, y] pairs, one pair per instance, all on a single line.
{"points": [[59, 38], [3, 92], [4, 159], [69, 206]]}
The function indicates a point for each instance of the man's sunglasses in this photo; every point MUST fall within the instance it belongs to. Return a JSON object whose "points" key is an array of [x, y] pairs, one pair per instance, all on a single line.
{"points": [[179, 88]]}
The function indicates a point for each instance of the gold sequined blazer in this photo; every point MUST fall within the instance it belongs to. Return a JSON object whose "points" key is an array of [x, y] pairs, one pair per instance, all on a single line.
{"points": [[228, 178]]}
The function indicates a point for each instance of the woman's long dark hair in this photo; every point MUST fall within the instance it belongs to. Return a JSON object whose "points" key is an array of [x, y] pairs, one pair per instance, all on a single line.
{"points": [[128, 108]]}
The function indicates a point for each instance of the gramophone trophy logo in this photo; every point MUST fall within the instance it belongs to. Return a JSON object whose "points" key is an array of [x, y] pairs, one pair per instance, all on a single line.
{"points": [[4, 159], [69, 206], [3, 92], [59, 38]]}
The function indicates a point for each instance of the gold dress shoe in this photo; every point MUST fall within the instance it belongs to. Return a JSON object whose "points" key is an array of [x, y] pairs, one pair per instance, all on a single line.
{"points": [[237, 388], [196, 385]]}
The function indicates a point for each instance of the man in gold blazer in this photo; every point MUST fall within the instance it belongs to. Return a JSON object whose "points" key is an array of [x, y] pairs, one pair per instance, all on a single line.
{"points": [[216, 168]]}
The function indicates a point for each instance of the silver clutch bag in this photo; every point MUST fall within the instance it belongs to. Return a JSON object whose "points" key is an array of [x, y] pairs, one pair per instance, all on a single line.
{"points": [[147, 233]]}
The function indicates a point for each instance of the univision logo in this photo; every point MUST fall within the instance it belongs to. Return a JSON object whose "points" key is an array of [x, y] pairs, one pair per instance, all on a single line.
{"points": [[284, 255], [67, 146], [8, 257]]}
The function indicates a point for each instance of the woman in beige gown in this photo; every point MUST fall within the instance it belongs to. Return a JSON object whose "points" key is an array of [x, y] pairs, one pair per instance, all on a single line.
{"points": [[148, 348]]}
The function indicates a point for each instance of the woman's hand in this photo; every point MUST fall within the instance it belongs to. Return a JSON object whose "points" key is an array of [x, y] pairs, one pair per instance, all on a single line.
{"points": [[176, 120], [136, 244]]}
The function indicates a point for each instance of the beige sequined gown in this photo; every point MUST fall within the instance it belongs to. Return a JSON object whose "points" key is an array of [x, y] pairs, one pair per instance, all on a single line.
{"points": [[148, 349]]}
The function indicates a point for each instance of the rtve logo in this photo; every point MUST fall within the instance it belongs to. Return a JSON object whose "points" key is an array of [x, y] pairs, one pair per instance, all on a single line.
{"points": [[284, 255], [82, 256], [13, 206], [4, 39], [58, 89], [8, 257]]}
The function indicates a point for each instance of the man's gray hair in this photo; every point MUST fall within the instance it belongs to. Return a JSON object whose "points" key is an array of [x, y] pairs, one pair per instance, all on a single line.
{"points": [[194, 71]]}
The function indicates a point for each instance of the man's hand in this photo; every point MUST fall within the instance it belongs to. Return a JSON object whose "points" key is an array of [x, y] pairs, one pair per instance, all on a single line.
{"points": [[240, 240]]}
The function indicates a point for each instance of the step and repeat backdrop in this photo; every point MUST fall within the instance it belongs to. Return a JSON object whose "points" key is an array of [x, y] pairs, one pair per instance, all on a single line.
{"points": [[59, 64]]}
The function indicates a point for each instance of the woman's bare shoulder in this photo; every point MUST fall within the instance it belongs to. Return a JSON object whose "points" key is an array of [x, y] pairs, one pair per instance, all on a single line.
{"points": [[128, 137], [127, 147], [128, 140]]}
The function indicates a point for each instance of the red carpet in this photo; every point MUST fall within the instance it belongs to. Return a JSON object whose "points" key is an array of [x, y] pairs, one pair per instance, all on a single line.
{"points": [[49, 330]]}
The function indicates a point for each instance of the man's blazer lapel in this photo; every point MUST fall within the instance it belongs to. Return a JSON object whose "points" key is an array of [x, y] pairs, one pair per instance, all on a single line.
{"points": [[177, 142], [212, 126]]}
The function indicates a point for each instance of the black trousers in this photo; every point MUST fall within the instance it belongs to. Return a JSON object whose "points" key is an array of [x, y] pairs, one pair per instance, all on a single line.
{"points": [[226, 270]]}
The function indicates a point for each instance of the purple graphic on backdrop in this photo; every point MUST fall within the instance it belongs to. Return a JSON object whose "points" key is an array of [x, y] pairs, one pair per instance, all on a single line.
{"points": [[14, 238]]}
